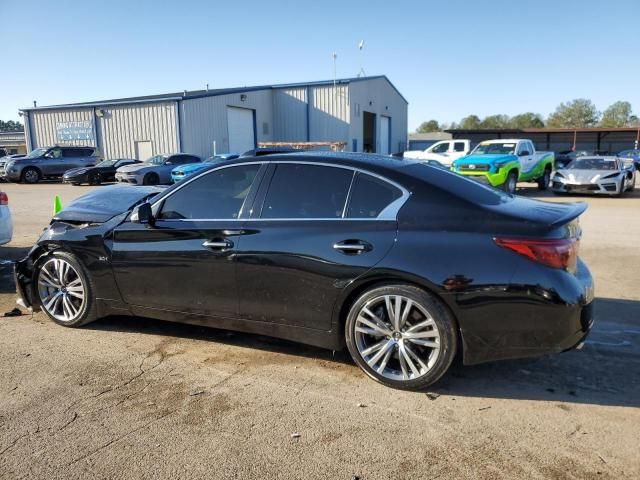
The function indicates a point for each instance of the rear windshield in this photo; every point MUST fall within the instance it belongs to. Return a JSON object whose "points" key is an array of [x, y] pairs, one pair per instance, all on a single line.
{"points": [[460, 186]]}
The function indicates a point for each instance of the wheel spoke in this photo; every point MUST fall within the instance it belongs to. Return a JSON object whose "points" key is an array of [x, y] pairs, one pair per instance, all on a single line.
{"points": [[427, 334], [376, 324], [70, 307], [391, 314], [385, 360], [419, 326], [46, 276], [413, 355], [51, 301], [424, 343], [385, 348], [409, 361], [374, 348], [405, 313]]}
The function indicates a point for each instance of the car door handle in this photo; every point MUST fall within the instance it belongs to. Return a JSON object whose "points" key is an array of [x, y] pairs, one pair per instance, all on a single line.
{"points": [[352, 247], [218, 244]]}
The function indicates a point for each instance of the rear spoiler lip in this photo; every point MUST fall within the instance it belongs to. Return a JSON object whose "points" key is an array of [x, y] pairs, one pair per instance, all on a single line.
{"points": [[574, 210]]}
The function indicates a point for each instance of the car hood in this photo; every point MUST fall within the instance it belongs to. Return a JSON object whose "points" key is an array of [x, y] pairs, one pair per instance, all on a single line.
{"points": [[136, 167], [488, 159], [76, 171], [105, 203], [191, 167], [586, 176]]}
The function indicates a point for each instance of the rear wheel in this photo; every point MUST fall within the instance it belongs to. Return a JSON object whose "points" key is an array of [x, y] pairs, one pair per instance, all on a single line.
{"points": [[509, 185], [30, 175], [545, 179], [151, 179], [65, 290], [401, 336]]}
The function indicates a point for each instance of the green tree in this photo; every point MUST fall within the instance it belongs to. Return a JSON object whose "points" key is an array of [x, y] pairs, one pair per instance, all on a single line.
{"points": [[430, 126], [617, 115], [10, 126], [495, 121], [470, 122], [526, 120], [578, 113]]}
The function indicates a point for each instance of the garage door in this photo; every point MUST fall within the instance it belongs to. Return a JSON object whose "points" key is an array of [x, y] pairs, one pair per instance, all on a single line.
{"points": [[241, 131], [384, 135]]}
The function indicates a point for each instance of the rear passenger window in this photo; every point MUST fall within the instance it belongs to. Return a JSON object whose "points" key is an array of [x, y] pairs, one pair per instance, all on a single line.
{"points": [[370, 196], [307, 191], [458, 146]]}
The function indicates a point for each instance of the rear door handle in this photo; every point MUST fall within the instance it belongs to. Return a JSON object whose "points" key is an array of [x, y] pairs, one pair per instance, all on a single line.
{"points": [[218, 244], [352, 247]]}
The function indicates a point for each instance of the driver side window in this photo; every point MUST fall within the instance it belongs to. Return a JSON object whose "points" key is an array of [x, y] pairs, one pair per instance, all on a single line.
{"points": [[217, 195], [54, 153], [442, 148]]}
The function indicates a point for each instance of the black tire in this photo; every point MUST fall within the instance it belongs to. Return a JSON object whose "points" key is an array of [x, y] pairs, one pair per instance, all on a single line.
{"points": [[621, 191], [545, 179], [30, 175], [87, 312], [509, 185], [444, 323], [95, 179], [151, 179]]}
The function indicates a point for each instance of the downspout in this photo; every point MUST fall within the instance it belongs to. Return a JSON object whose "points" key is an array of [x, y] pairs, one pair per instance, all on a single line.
{"points": [[178, 129], [95, 131], [308, 114], [27, 131]]}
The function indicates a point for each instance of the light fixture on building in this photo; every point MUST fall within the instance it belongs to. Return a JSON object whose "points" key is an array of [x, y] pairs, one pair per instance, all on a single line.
{"points": [[243, 97], [99, 112]]}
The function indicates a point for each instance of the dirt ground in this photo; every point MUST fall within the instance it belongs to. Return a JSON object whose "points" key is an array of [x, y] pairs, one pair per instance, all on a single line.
{"points": [[136, 398]]}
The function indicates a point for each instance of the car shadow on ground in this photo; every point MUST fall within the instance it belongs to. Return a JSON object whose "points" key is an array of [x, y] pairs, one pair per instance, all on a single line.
{"points": [[605, 372]]}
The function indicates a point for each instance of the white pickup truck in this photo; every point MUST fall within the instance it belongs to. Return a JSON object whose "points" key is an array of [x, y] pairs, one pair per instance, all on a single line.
{"points": [[445, 151]]}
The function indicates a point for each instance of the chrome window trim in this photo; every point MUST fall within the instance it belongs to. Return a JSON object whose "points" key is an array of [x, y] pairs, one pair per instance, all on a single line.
{"points": [[390, 212]]}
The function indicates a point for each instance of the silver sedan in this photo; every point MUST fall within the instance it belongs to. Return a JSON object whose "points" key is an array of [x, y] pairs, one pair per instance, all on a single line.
{"points": [[595, 175]]}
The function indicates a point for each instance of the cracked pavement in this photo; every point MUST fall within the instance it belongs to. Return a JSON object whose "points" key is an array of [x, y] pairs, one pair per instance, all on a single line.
{"points": [[138, 398]]}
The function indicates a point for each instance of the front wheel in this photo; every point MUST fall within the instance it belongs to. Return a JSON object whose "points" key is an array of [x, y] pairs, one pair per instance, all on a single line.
{"points": [[65, 290], [151, 179], [510, 185], [401, 336], [95, 179]]}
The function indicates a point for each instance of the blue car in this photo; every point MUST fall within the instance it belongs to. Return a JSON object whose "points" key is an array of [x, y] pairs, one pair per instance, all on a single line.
{"points": [[632, 154], [183, 171]]}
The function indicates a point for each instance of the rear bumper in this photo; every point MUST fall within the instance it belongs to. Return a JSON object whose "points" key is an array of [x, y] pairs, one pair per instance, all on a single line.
{"points": [[525, 319]]}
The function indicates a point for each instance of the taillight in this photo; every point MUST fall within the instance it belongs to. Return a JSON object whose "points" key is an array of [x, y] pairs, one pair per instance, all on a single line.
{"points": [[4, 200], [561, 253]]}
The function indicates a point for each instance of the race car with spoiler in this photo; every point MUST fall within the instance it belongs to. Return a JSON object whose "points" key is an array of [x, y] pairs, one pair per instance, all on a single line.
{"points": [[505, 162], [595, 175]]}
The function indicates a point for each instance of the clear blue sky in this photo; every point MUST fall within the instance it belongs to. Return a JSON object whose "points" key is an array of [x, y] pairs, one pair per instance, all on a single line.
{"points": [[448, 58]]}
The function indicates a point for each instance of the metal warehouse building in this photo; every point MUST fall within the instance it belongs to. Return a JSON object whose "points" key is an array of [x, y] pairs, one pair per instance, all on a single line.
{"points": [[366, 113]]}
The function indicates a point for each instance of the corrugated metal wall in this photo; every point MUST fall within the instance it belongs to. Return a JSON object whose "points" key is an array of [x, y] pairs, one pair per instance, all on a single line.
{"points": [[204, 120], [290, 114], [123, 125], [329, 114], [43, 126], [379, 97], [116, 131]]}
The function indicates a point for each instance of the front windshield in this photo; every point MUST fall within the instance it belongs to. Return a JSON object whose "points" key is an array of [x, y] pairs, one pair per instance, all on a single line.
{"points": [[495, 148], [156, 160], [593, 164], [37, 153], [106, 163]]}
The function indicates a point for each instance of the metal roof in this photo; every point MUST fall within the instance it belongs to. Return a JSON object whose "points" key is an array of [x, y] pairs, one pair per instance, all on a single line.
{"points": [[188, 95], [541, 130]]}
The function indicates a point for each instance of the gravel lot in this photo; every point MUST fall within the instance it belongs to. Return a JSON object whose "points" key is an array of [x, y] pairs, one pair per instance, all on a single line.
{"points": [[136, 398]]}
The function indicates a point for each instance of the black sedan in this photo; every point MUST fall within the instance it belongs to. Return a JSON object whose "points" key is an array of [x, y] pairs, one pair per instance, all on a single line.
{"points": [[104, 171], [403, 263]]}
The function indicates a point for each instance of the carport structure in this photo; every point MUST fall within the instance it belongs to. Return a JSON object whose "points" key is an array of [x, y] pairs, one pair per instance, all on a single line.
{"points": [[610, 140]]}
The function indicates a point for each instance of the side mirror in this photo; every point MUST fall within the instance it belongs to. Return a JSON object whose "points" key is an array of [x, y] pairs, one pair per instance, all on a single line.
{"points": [[168, 162], [143, 214]]}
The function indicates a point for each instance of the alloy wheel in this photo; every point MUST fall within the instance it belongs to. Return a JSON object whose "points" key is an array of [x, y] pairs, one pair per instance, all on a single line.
{"points": [[31, 175], [62, 293], [397, 337]]}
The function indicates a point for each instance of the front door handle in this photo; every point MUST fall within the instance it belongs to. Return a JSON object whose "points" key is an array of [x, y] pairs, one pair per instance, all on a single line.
{"points": [[218, 244], [352, 247]]}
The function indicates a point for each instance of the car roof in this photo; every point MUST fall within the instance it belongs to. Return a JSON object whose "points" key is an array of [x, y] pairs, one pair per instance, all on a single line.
{"points": [[504, 140]]}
